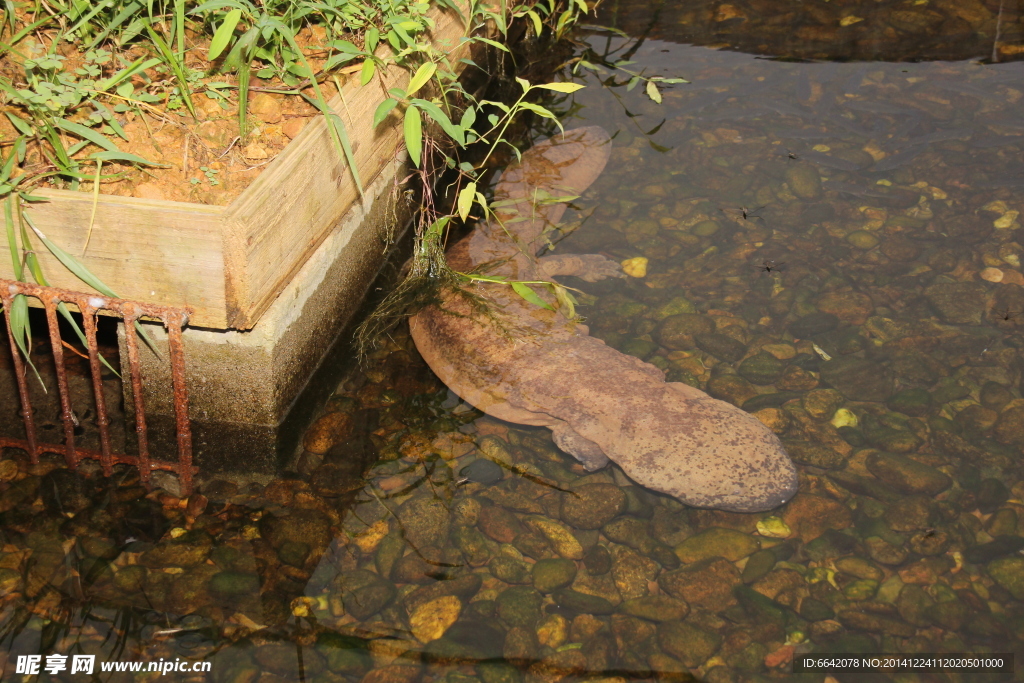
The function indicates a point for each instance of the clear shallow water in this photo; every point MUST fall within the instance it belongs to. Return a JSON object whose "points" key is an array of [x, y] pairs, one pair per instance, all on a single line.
{"points": [[886, 361]]}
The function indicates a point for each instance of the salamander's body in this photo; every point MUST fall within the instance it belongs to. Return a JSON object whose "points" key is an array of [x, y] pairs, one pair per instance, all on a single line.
{"points": [[600, 404]]}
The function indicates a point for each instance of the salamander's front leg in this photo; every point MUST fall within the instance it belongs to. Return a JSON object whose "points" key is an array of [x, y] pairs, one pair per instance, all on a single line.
{"points": [[589, 267]]}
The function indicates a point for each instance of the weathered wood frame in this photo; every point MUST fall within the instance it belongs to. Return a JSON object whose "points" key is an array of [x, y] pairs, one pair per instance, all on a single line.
{"points": [[228, 263]]}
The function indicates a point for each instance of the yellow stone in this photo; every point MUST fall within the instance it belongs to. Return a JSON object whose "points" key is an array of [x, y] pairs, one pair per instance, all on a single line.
{"points": [[560, 536], [430, 620], [553, 630], [850, 20], [780, 351], [327, 431], [821, 148], [369, 539], [773, 527], [997, 206], [8, 470], [1006, 220], [635, 267], [844, 417]]}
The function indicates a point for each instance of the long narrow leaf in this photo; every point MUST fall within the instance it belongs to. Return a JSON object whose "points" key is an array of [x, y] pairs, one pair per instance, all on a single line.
{"points": [[84, 274], [420, 78], [18, 315], [413, 128], [524, 290], [223, 35], [86, 133], [175, 65]]}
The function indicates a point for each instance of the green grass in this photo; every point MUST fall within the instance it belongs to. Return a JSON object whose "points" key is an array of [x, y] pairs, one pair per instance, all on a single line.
{"points": [[136, 56]]}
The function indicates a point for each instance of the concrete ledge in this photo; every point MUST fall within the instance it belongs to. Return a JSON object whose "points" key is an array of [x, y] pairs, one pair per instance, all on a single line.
{"points": [[242, 383]]}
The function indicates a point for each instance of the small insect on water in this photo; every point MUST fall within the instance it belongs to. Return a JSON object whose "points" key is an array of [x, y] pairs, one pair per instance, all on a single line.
{"points": [[743, 213], [1007, 315], [770, 266]]}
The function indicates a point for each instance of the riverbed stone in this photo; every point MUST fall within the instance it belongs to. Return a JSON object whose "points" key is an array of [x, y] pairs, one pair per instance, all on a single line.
{"points": [[849, 306], [552, 574], [821, 404], [655, 608], [510, 570], [1008, 572], [519, 606], [960, 303], [814, 454], [430, 620], [583, 603], [677, 331], [425, 520], [708, 583], [558, 535], [731, 388], [716, 542], [591, 506], [907, 475], [1009, 428], [813, 324], [721, 346], [499, 524], [632, 572], [884, 552], [761, 368], [804, 181], [688, 643], [364, 593], [858, 379], [914, 402], [809, 516]]}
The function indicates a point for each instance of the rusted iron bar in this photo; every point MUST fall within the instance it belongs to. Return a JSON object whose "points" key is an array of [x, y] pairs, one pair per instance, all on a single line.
{"points": [[130, 312], [67, 415], [95, 371], [7, 295], [177, 349], [131, 341]]}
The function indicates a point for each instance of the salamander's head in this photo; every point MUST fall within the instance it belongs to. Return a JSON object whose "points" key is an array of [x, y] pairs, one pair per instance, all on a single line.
{"points": [[709, 454]]}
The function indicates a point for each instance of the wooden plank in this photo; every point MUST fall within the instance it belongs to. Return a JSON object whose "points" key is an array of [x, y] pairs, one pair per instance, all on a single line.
{"points": [[285, 214], [162, 252]]}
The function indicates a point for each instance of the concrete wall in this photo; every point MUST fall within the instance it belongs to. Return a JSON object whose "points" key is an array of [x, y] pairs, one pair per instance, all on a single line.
{"points": [[242, 383]]}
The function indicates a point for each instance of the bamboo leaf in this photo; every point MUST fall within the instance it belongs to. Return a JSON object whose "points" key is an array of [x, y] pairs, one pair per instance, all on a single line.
{"points": [[224, 33], [538, 26], [561, 87], [366, 73], [383, 109], [465, 200], [633, 82], [420, 78], [413, 126], [524, 290], [565, 300], [456, 133], [653, 92]]}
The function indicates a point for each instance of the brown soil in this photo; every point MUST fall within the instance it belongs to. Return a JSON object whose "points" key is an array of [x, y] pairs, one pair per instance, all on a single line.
{"points": [[185, 145]]}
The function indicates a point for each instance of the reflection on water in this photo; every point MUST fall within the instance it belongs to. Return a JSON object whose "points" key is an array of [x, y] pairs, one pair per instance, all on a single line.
{"points": [[833, 247]]}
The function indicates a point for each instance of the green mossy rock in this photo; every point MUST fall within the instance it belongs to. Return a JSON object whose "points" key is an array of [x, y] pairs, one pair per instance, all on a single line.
{"points": [[689, 644], [550, 575], [761, 369], [804, 181]]}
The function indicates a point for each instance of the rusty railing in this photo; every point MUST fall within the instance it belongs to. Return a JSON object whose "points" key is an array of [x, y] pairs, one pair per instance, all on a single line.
{"points": [[130, 311]]}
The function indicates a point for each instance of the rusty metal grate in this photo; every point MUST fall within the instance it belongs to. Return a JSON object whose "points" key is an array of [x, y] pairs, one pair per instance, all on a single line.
{"points": [[130, 311]]}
